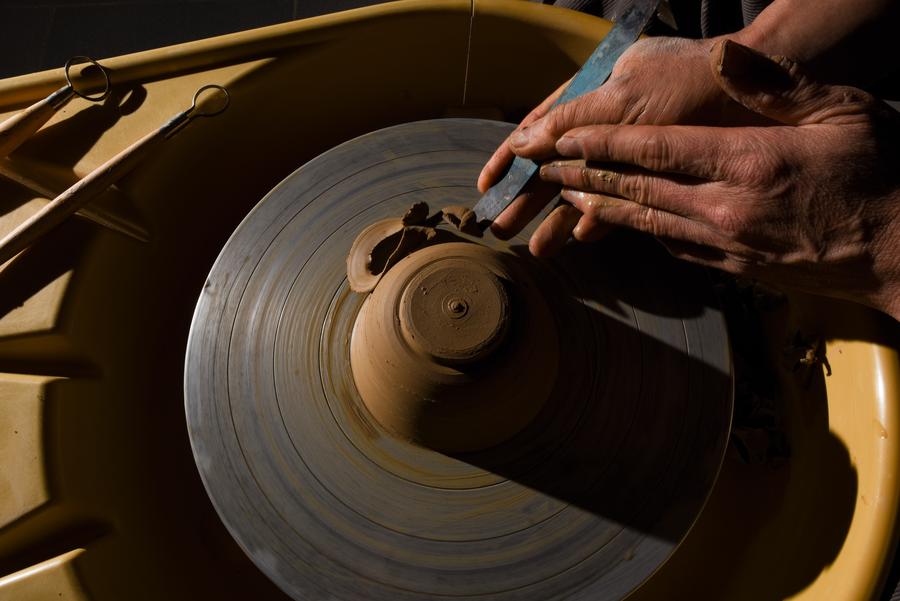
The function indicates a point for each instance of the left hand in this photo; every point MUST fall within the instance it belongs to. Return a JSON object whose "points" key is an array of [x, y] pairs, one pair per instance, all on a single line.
{"points": [[813, 204]]}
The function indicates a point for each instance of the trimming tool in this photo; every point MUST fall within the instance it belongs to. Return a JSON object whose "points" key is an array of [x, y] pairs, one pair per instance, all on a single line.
{"points": [[80, 193], [16, 130]]}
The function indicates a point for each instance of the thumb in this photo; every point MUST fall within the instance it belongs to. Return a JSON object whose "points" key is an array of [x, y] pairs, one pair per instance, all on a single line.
{"points": [[779, 88]]}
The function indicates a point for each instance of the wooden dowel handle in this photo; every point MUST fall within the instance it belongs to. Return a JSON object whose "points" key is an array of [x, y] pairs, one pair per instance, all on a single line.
{"points": [[58, 209], [18, 128]]}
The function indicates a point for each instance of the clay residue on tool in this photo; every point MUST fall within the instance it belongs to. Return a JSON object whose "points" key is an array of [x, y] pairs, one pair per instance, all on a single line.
{"points": [[462, 218], [382, 244]]}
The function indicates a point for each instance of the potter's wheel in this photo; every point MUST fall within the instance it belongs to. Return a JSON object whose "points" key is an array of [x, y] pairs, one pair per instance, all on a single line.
{"points": [[584, 501]]}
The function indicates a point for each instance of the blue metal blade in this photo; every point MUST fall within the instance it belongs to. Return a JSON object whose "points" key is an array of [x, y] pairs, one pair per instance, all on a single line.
{"points": [[591, 76]]}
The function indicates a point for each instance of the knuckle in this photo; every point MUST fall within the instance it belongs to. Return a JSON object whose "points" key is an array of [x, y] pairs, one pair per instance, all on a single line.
{"points": [[620, 100], [557, 117], [762, 163], [649, 220], [626, 64], [635, 187], [653, 151], [728, 220], [571, 114], [585, 178]]}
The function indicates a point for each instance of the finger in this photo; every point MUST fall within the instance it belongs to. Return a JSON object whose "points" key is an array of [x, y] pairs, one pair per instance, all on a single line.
{"points": [[524, 208], [553, 233], [496, 165], [537, 141], [643, 187], [625, 213], [779, 88], [589, 229], [684, 149], [493, 170]]}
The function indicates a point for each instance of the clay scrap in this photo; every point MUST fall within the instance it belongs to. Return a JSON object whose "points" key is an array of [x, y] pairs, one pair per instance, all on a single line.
{"points": [[384, 243], [417, 214], [380, 246], [462, 218]]}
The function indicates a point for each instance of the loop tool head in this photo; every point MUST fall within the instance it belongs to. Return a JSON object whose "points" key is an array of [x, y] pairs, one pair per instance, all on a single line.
{"points": [[208, 103], [77, 60]]}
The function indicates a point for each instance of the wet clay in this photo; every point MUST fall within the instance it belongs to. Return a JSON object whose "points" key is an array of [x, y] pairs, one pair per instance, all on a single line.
{"points": [[462, 218], [454, 311], [455, 349], [417, 214], [430, 351], [382, 244]]}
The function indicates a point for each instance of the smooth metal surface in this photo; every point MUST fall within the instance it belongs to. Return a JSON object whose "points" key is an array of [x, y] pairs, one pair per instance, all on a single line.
{"points": [[583, 504], [592, 74]]}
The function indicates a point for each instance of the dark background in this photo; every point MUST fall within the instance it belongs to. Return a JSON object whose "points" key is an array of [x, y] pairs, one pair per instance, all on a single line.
{"points": [[43, 34]]}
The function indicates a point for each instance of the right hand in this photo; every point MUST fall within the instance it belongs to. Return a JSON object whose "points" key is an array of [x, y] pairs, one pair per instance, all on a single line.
{"points": [[656, 81], [812, 203]]}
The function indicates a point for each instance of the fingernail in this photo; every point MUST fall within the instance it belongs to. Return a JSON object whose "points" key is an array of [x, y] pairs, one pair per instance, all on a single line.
{"points": [[521, 137], [747, 68]]}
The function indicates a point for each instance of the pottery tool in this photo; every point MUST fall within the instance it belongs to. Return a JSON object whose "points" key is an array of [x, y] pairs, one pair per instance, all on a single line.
{"points": [[21, 126], [18, 128], [48, 181], [591, 76], [208, 101], [481, 425]]}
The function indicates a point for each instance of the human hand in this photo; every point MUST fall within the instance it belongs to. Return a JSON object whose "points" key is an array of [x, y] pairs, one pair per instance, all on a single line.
{"points": [[813, 204], [656, 81]]}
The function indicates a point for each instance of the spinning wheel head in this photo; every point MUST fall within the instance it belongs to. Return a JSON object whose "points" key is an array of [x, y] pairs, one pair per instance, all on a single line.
{"points": [[481, 425]]}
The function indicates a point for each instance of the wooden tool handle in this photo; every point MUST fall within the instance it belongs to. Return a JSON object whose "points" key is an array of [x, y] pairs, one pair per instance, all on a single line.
{"points": [[46, 182], [18, 128], [58, 209]]}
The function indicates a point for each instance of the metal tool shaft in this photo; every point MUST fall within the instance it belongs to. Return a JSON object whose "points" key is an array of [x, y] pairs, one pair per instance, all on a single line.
{"points": [[20, 127], [56, 211]]}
